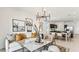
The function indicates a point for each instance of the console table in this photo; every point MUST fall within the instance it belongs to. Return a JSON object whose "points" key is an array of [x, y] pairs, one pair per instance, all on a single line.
{"points": [[61, 33]]}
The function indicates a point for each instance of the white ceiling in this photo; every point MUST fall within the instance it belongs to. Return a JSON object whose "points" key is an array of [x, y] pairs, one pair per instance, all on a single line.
{"points": [[57, 13]]}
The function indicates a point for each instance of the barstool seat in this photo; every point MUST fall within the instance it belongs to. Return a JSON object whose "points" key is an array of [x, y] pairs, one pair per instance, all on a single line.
{"points": [[45, 51], [53, 48]]}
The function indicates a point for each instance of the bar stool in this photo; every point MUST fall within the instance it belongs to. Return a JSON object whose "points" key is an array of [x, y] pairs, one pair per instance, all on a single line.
{"points": [[53, 48]]}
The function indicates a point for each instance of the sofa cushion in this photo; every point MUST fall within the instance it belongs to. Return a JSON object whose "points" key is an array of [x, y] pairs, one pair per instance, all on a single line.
{"points": [[20, 36], [34, 34], [11, 37], [14, 44]]}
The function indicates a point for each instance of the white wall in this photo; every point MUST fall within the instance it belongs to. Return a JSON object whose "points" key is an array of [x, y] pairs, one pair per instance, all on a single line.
{"points": [[76, 27], [7, 14]]}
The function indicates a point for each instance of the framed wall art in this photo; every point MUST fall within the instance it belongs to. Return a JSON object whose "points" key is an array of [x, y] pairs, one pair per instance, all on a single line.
{"points": [[18, 25]]}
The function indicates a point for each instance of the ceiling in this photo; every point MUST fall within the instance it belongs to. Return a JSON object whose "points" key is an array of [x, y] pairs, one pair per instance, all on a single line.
{"points": [[57, 13]]}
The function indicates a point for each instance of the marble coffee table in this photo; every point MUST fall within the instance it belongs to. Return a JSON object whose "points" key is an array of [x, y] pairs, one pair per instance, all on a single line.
{"points": [[31, 45]]}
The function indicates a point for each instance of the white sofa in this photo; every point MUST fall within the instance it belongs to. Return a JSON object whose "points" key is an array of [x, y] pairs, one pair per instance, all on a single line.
{"points": [[13, 46]]}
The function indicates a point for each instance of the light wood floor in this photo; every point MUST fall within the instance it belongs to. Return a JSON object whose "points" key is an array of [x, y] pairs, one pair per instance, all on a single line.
{"points": [[73, 45]]}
